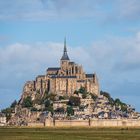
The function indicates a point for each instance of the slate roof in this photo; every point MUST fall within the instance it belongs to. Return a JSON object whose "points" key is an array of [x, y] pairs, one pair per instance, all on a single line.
{"points": [[53, 69], [89, 75], [65, 56], [58, 76]]}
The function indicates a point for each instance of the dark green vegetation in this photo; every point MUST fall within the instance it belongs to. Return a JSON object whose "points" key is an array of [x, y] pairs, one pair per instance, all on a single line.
{"points": [[48, 98], [74, 101], [70, 133], [27, 102], [117, 102]]}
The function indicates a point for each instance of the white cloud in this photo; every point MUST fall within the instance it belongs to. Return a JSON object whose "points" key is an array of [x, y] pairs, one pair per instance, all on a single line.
{"points": [[59, 9], [110, 55]]}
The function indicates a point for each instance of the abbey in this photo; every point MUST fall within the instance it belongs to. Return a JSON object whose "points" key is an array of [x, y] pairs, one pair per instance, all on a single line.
{"points": [[63, 80]]}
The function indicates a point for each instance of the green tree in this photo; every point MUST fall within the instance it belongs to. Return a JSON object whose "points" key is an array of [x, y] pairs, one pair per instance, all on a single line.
{"points": [[50, 108], [47, 103], [123, 106], [117, 102], [82, 90], [74, 101], [70, 111], [107, 95], [13, 104], [27, 102], [93, 96]]}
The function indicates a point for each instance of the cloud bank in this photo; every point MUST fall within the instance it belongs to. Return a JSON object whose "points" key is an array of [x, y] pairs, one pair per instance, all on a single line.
{"points": [[62, 9]]}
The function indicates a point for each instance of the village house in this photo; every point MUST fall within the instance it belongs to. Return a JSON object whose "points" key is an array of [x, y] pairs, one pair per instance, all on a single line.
{"points": [[2, 119]]}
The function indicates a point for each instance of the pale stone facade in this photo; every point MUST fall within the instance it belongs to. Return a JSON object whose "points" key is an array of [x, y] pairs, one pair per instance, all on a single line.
{"points": [[63, 80], [2, 119], [94, 123]]}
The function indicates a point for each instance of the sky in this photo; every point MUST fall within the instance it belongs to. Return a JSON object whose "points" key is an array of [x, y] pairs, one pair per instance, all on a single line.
{"points": [[102, 35]]}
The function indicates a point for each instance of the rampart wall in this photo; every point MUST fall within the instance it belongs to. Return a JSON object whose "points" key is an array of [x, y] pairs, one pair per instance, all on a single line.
{"points": [[94, 123]]}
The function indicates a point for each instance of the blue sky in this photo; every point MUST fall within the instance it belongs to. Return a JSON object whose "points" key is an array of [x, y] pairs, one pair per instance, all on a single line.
{"points": [[102, 35]]}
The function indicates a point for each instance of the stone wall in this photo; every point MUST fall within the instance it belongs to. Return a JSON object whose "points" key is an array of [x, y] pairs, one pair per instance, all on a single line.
{"points": [[94, 123], [64, 123], [115, 123], [36, 124]]}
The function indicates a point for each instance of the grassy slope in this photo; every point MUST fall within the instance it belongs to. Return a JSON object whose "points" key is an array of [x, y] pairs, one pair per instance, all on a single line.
{"points": [[69, 134]]}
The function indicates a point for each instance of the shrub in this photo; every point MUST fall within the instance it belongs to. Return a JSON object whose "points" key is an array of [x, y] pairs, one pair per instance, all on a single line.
{"points": [[94, 97], [47, 103], [27, 102], [74, 101], [13, 104], [70, 111], [82, 90], [107, 95]]}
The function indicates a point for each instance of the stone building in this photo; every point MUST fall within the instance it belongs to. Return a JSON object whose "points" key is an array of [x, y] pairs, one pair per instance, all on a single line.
{"points": [[2, 119], [63, 80]]}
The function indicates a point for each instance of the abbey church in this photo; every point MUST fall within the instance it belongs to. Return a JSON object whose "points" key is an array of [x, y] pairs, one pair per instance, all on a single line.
{"points": [[63, 80]]}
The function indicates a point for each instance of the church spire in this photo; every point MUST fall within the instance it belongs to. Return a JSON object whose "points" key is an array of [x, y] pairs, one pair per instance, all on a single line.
{"points": [[65, 55], [65, 48]]}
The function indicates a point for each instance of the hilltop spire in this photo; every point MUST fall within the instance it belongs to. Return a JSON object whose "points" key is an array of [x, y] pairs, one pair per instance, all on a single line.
{"points": [[65, 55], [65, 48]]}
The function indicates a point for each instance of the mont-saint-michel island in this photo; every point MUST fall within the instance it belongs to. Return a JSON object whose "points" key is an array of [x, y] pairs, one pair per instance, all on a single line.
{"points": [[69, 69], [67, 96]]}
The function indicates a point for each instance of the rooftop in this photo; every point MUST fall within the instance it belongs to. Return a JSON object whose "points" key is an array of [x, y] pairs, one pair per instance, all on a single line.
{"points": [[89, 75], [65, 55], [59, 76], [53, 69]]}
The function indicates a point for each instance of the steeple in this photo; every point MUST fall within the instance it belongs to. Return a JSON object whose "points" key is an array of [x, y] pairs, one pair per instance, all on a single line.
{"points": [[65, 55]]}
